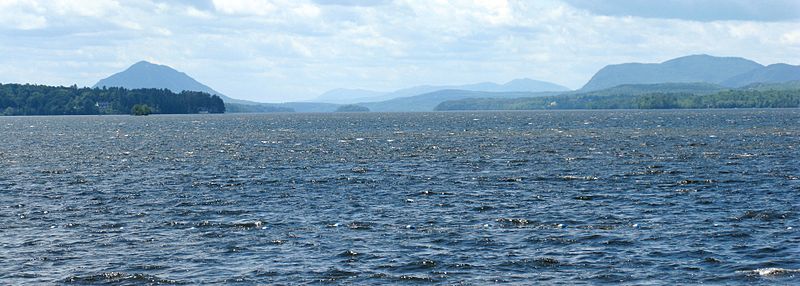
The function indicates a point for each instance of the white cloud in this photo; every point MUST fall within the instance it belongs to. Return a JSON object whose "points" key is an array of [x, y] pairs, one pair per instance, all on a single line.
{"points": [[791, 38], [22, 15], [245, 7], [306, 10], [83, 8], [496, 11], [197, 13]]}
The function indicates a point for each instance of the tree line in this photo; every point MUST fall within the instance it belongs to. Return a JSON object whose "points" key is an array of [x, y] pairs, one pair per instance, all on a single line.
{"points": [[26, 99], [659, 100]]}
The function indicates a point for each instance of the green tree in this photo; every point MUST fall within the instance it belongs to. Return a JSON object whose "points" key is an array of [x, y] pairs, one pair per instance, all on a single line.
{"points": [[141, 109]]}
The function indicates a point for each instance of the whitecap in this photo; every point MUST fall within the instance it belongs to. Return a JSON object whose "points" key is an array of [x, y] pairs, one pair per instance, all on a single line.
{"points": [[771, 271]]}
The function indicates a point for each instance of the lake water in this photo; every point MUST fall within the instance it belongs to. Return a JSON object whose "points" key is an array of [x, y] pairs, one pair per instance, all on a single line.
{"points": [[566, 197]]}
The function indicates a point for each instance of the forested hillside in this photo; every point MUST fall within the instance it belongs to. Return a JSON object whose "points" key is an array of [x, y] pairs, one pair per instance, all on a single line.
{"points": [[18, 99], [659, 100]]}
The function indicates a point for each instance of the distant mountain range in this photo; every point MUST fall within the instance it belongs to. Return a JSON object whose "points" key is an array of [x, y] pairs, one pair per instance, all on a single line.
{"points": [[428, 101], [776, 73], [646, 96], [347, 96], [697, 74], [725, 71], [148, 75]]}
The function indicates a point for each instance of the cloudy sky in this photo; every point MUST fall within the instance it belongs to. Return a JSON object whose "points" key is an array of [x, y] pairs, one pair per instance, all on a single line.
{"points": [[286, 50]]}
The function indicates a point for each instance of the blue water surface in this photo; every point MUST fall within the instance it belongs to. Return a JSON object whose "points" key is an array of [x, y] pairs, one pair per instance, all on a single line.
{"points": [[544, 197]]}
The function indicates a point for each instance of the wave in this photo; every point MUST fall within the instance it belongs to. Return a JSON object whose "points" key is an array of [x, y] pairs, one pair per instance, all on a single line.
{"points": [[119, 277], [771, 271]]}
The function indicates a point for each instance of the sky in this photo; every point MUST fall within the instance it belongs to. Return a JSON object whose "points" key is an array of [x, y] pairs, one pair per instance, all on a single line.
{"points": [[294, 50]]}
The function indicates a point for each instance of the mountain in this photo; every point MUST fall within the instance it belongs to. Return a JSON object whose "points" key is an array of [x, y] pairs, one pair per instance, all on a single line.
{"points": [[309, 106], [148, 75], [530, 85], [656, 96], [775, 73], [789, 85], [348, 96], [428, 101], [700, 88], [695, 68], [541, 100]]}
